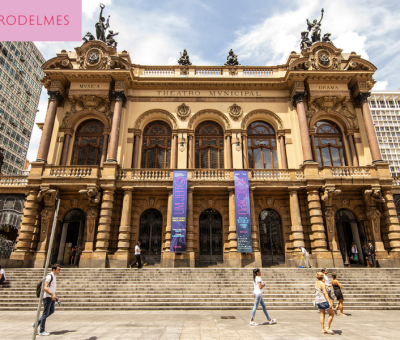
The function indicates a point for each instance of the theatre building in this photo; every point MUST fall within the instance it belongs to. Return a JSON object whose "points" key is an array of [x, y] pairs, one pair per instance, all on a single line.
{"points": [[115, 132]]}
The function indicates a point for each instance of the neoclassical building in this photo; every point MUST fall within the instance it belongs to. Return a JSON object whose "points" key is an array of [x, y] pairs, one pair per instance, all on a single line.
{"points": [[115, 132]]}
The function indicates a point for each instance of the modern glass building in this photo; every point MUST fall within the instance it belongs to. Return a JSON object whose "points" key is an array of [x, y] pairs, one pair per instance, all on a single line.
{"points": [[20, 88]]}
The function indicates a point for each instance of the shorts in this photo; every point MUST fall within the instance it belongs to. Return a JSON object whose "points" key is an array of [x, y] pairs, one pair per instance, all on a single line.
{"points": [[323, 305]]}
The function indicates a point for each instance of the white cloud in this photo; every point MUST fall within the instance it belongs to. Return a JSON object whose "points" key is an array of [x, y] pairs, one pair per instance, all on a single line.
{"points": [[351, 42], [380, 85]]}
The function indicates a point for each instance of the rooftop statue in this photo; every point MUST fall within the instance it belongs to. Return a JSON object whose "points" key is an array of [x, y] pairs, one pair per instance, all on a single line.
{"points": [[305, 40], [184, 59], [326, 38], [100, 27], [110, 39], [315, 28], [232, 59]]}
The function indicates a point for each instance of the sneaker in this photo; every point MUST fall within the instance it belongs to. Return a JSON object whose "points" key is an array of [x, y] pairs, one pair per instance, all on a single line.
{"points": [[130, 267], [272, 321], [252, 323], [313, 303], [44, 333]]}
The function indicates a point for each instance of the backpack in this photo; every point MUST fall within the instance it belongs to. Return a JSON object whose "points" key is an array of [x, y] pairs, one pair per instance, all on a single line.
{"points": [[39, 286]]}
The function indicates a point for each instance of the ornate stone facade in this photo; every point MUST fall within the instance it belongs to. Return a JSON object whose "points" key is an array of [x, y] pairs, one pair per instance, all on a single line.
{"points": [[300, 135]]}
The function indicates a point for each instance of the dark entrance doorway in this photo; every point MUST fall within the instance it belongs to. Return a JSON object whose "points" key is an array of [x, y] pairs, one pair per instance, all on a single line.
{"points": [[69, 234], [210, 227], [150, 235], [272, 249], [348, 232]]}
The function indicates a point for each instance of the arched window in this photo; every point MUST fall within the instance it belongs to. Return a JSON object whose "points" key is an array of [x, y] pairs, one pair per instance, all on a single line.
{"points": [[209, 146], [329, 144], [88, 145], [156, 146], [261, 145]]}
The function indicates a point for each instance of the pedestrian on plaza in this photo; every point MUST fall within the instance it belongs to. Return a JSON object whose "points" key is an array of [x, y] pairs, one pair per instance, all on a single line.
{"points": [[354, 253], [322, 300], [258, 291], [371, 254], [72, 255], [305, 257], [337, 289], [49, 298], [2, 275], [328, 285], [137, 255]]}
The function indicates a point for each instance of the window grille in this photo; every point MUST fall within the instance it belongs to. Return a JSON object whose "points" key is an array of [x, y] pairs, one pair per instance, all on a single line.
{"points": [[209, 146]]}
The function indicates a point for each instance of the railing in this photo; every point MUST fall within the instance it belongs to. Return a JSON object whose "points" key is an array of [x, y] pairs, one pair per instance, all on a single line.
{"points": [[72, 171], [13, 180], [208, 72], [159, 72], [145, 174], [211, 175], [350, 172], [271, 174], [396, 182], [257, 72]]}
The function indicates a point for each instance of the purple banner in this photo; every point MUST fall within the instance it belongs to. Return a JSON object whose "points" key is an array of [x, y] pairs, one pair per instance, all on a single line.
{"points": [[179, 205], [243, 217]]}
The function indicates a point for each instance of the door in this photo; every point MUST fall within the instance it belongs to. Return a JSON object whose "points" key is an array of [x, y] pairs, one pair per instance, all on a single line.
{"points": [[347, 229], [211, 243], [75, 221], [150, 235], [272, 249]]}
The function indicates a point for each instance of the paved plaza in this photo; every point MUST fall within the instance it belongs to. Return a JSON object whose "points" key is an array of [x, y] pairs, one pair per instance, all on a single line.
{"points": [[199, 325]]}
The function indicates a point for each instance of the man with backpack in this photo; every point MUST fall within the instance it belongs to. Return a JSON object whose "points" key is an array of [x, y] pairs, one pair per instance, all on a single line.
{"points": [[49, 297]]}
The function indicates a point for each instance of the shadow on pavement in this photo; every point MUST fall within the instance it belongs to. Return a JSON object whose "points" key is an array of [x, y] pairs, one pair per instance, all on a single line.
{"points": [[61, 332]]}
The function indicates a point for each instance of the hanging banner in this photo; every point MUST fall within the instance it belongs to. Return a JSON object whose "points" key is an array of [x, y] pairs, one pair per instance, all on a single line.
{"points": [[179, 205], [243, 217]]}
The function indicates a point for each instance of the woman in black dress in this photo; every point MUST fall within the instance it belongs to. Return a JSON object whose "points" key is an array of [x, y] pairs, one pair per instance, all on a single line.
{"points": [[337, 289]]}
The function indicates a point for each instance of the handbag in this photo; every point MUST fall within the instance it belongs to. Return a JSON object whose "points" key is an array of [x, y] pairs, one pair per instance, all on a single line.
{"points": [[355, 257]]}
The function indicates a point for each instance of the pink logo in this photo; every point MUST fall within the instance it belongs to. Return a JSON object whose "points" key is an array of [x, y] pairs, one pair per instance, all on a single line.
{"points": [[41, 20]]}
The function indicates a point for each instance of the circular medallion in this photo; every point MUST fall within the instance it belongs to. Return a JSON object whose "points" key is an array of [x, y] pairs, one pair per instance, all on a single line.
{"points": [[93, 56], [323, 59]]}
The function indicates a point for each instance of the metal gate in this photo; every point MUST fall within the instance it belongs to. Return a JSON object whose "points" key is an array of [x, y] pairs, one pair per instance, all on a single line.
{"points": [[211, 243], [150, 235], [272, 249]]}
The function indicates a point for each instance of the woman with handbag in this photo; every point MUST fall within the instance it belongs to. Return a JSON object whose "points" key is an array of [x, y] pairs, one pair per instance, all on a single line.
{"points": [[337, 288], [322, 300], [354, 253]]}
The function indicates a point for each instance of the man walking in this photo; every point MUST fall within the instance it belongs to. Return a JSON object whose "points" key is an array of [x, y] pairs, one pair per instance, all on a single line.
{"points": [[49, 298], [137, 254], [371, 253], [2, 275]]}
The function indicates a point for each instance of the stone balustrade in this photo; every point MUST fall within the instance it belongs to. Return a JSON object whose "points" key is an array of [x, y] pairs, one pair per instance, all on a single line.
{"points": [[348, 172], [145, 174], [209, 175], [13, 180], [257, 72], [396, 182], [159, 72], [72, 171], [208, 72]]}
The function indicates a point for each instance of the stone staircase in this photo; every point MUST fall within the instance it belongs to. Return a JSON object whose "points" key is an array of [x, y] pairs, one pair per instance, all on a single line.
{"points": [[199, 288]]}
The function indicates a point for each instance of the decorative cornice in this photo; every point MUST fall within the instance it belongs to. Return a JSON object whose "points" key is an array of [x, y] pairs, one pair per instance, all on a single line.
{"points": [[170, 116], [247, 117], [214, 112]]}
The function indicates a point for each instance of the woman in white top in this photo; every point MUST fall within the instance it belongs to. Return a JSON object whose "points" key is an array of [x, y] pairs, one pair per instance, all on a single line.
{"points": [[354, 253], [258, 291], [322, 300]]}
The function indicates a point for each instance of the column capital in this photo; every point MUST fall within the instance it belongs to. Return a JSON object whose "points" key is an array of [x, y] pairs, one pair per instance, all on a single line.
{"points": [[299, 97], [119, 95], [293, 189], [128, 189], [362, 97], [55, 95]]}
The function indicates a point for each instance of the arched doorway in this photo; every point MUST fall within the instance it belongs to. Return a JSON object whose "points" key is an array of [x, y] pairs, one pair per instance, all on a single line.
{"points": [[348, 232], [150, 235], [271, 243], [211, 242], [71, 235]]}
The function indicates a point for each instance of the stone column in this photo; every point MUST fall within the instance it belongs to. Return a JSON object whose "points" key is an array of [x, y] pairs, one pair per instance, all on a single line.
{"points": [[295, 217], [29, 223], [105, 148], [116, 125], [190, 225], [64, 155], [362, 98], [254, 228], [229, 152], [125, 227], [174, 149], [298, 99], [232, 237], [352, 150], [167, 239], [245, 152], [136, 148], [318, 238], [392, 223], [44, 146], [283, 152], [190, 152]]}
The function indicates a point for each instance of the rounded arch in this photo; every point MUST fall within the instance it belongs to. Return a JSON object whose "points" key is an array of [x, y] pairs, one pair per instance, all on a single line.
{"points": [[73, 120], [209, 114], [155, 114], [263, 115], [74, 215], [346, 215], [333, 116]]}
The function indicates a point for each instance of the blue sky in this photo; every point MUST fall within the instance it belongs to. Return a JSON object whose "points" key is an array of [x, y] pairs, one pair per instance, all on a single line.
{"points": [[260, 33]]}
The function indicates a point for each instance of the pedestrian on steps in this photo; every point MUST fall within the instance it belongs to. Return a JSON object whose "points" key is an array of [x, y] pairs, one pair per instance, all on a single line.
{"points": [[305, 257], [138, 261], [49, 298], [258, 291], [322, 300], [337, 289], [2, 275], [371, 254]]}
